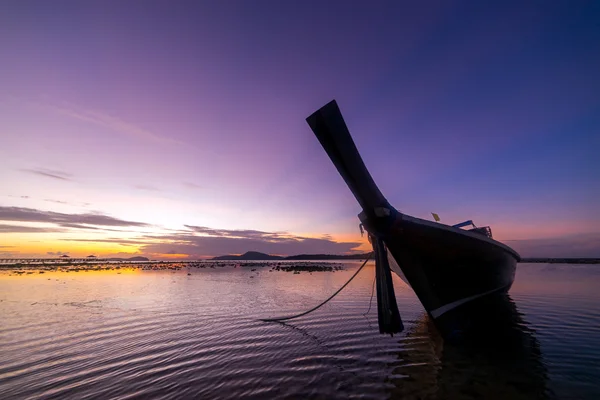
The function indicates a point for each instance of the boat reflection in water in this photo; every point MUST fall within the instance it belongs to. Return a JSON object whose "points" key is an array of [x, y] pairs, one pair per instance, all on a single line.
{"points": [[493, 355]]}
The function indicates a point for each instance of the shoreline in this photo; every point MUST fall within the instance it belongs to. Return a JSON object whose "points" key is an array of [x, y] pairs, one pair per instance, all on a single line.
{"points": [[306, 266]]}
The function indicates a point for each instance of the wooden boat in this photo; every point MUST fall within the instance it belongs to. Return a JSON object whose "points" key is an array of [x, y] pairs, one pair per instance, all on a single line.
{"points": [[446, 266]]}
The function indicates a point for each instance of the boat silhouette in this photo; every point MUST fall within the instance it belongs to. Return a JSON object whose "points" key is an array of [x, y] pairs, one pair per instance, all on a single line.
{"points": [[448, 267]]}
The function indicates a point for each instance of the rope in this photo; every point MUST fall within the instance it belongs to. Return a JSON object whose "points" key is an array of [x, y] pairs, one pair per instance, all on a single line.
{"points": [[371, 299], [323, 303]]}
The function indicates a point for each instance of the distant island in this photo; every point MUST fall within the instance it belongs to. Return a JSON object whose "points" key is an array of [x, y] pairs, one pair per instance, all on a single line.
{"points": [[562, 260], [360, 256], [258, 256], [255, 256], [249, 256], [137, 258]]}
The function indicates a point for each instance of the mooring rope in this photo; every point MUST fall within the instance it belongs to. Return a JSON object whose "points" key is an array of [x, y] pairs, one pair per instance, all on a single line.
{"points": [[323, 303], [371, 299]]}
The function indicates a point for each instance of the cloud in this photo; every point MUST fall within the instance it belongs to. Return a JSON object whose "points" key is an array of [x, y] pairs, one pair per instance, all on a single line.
{"points": [[56, 253], [192, 185], [196, 241], [197, 246], [79, 226], [56, 201], [108, 121], [76, 203], [48, 173], [580, 245], [203, 241], [248, 234], [26, 229], [79, 204], [147, 187], [122, 242], [79, 221]]}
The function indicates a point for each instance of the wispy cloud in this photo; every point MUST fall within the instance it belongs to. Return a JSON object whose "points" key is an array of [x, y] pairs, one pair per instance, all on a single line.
{"points": [[242, 233], [147, 188], [56, 201], [271, 243], [73, 203], [49, 173], [27, 229], [120, 241], [95, 228], [195, 241], [56, 253], [78, 221], [192, 185], [106, 120], [203, 241]]}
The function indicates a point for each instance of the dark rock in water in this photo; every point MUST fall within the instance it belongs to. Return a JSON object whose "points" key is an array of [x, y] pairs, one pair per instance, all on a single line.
{"points": [[255, 255], [309, 267]]}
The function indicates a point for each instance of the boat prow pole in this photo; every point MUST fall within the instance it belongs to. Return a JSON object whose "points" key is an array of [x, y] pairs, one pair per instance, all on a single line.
{"points": [[329, 127]]}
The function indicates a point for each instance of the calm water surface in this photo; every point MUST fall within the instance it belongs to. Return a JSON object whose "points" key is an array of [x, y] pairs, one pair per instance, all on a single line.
{"points": [[165, 334]]}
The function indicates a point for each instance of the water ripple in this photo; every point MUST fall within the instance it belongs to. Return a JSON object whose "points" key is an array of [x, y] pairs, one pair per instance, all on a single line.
{"points": [[158, 335]]}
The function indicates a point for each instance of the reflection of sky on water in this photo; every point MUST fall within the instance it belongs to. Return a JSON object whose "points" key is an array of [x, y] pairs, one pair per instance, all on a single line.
{"points": [[173, 334]]}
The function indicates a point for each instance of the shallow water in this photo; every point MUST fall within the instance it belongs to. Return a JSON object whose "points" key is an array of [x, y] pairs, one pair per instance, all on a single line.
{"points": [[167, 334]]}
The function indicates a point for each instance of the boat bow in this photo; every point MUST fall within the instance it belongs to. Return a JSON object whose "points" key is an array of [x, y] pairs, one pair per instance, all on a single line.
{"points": [[378, 216]]}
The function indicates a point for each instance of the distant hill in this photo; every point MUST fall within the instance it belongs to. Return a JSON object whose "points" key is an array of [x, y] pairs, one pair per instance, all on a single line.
{"points": [[328, 257], [562, 260], [249, 256], [137, 258], [255, 255]]}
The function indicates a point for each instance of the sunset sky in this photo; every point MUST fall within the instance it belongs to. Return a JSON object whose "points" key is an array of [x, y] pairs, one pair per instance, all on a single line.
{"points": [[177, 129]]}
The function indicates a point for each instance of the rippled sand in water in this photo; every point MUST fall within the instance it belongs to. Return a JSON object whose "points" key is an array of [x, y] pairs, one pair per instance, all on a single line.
{"points": [[167, 334]]}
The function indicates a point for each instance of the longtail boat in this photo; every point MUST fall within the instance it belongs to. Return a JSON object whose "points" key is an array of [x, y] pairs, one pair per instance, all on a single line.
{"points": [[446, 266]]}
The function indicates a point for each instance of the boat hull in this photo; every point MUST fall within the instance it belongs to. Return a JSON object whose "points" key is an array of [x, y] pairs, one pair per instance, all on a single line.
{"points": [[448, 267]]}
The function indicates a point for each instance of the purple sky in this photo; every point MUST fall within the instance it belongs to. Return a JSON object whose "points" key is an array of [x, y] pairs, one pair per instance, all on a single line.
{"points": [[171, 116]]}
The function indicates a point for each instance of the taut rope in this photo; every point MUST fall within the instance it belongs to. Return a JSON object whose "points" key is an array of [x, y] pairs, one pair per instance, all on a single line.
{"points": [[323, 303]]}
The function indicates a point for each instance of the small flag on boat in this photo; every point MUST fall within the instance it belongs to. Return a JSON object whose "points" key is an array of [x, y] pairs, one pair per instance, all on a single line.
{"points": [[436, 217]]}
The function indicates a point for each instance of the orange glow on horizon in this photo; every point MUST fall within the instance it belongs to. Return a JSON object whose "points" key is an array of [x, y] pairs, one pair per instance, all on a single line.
{"points": [[53, 245], [23, 246]]}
